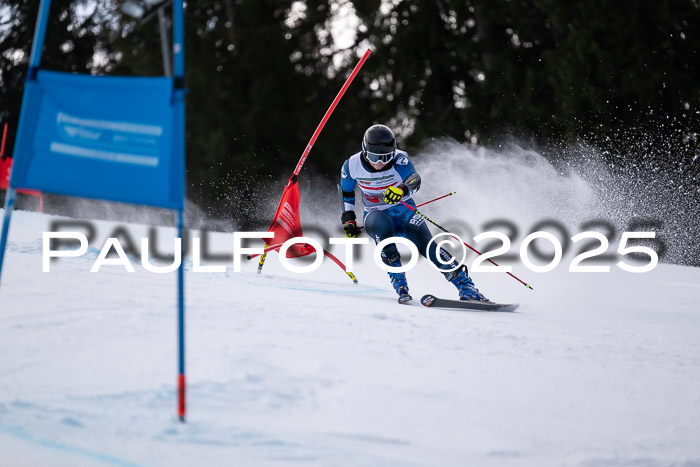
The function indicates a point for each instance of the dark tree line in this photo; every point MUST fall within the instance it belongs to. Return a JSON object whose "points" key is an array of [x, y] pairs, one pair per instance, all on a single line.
{"points": [[262, 72]]}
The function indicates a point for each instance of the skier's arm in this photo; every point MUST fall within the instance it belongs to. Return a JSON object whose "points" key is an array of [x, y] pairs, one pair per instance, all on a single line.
{"points": [[347, 186], [411, 179], [409, 185]]}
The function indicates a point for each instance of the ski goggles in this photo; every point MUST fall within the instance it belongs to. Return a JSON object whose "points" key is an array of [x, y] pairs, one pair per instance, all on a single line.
{"points": [[375, 157]]}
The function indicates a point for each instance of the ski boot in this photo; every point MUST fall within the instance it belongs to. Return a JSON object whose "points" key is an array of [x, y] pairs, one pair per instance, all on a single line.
{"points": [[467, 290], [398, 280]]}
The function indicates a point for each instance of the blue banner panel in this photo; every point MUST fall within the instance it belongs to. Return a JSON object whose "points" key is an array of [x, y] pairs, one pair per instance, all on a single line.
{"points": [[102, 137]]}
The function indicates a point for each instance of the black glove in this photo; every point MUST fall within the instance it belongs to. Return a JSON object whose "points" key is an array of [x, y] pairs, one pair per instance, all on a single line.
{"points": [[349, 225]]}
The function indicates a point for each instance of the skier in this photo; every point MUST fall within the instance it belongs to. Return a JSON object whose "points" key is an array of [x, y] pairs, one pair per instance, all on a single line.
{"points": [[386, 176]]}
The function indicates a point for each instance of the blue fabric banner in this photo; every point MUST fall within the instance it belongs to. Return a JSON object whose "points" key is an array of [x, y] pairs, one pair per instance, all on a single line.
{"points": [[103, 137]]}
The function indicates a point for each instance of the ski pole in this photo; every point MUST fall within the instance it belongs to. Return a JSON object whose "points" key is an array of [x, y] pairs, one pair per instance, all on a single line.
{"points": [[465, 243], [263, 257], [437, 199]]}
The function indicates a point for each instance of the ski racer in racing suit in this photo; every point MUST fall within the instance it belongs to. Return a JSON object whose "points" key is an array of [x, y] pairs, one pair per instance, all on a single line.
{"points": [[386, 176]]}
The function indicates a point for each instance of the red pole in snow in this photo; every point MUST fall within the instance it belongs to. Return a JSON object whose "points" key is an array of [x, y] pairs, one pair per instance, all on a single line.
{"points": [[329, 112], [4, 139], [320, 126]]}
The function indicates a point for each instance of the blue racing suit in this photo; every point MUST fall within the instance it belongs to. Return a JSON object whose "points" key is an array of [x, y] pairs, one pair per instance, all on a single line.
{"points": [[384, 220]]}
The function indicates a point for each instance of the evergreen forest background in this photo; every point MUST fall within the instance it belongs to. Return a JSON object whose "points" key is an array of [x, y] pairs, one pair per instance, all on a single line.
{"points": [[621, 76]]}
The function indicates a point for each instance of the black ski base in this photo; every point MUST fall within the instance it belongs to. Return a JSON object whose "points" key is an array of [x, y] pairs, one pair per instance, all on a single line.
{"points": [[467, 305]]}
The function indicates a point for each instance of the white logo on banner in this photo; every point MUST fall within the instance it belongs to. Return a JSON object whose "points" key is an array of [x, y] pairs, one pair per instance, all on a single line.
{"points": [[111, 141]]}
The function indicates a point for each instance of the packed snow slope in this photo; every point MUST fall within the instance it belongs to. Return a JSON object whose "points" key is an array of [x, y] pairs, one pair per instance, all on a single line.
{"points": [[595, 369]]}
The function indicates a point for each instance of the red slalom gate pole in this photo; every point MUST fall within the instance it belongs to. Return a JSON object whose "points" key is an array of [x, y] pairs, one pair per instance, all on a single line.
{"points": [[4, 140], [329, 112], [320, 126], [437, 199], [36, 193], [465, 243]]}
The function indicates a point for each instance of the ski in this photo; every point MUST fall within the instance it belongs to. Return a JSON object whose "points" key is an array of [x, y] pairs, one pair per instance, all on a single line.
{"points": [[467, 305], [405, 298]]}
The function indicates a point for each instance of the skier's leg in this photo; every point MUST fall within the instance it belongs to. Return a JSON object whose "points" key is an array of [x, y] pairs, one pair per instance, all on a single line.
{"points": [[418, 233], [380, 226]]}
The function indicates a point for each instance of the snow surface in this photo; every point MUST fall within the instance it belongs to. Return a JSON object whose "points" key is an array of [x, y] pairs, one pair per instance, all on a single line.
{"points": [[290, 369]]}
